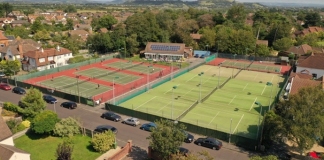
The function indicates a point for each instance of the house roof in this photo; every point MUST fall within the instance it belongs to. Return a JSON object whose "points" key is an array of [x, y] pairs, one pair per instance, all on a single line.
{"points": [[300, 50], [19, 22], [314, 61], [7, 151], [78, 32], [195, 36], [264, 42], [103, 30], [4, 130], [155, 47], [2, 37], [298, 83], [11, 37], [19, 41]]}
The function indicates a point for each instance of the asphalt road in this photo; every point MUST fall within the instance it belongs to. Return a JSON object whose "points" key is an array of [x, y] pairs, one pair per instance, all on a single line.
{"points": [[90, 117]]}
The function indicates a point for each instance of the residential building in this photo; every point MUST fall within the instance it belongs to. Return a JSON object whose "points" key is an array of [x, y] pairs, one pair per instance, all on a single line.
{"points": [[309, 30], [312, 65], [80, 33], [18, 23], [7, 149], [300, 50], [6, 20], [3, 40], [16, 48], [166, 51], [196, 37], [43, 59]]}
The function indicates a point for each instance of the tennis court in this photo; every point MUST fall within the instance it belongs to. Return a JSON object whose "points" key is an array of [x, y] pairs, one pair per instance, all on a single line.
{"points": [[267, 68], [235, 107], [108, 75], [73, 85], [121, 65], [136, 67]]}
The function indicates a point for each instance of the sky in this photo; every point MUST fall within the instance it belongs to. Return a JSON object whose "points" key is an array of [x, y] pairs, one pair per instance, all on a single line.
{"points": [[286, 1]]}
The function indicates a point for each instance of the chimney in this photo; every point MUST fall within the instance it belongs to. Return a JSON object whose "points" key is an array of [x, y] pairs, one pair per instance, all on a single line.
{"points": [[58, 48], [42, 50]]}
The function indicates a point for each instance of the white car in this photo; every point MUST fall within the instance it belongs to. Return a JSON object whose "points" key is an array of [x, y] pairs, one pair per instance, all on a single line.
{"points": [[132, 121]]}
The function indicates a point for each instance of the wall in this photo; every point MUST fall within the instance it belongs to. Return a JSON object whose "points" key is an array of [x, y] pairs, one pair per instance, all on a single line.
{"points": [[123, 152], [319, 72], [20, 156]]}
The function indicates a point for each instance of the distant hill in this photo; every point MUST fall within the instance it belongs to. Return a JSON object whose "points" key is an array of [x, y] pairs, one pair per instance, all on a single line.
{"points": [[288, 5]]}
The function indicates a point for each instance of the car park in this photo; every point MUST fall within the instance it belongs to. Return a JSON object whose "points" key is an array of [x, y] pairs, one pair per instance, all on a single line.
{"points": [[103, 128], [69, 105], [18, 90], [5, 86], [111, 116], [49, 99], [148, 126], [132, 121], [209, 142], [202, 56], [189, 137]]}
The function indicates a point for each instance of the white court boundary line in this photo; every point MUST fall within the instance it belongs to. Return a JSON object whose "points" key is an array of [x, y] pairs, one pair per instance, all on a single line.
{"points": [[213, 118], [171, 89], [253, 103], [264, 89], [255, 76], [238, 124], [245, 86], [144, 103], [232, 100], [163, 107]]}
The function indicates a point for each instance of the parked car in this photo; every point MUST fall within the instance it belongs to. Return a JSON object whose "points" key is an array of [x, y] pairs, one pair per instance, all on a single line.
{"points": [[69, 105], [202, 56], [18, 90], [2, 74], [104, 128], [196, 55], [148, 126], [5, 86], [111, 116], [132, 121], [209, 142], [315, 155], [49, 99], [184, 151], [189, 137]]}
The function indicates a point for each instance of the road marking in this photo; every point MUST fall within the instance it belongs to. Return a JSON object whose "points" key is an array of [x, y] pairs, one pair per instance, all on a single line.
{"points": [[232, 100], [253, 103], [144, 103], [245, 86], [237, 124], [213, 118]]}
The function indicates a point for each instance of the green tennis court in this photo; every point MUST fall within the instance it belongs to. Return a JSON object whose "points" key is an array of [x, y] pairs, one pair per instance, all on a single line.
{"points": [[136, 67], [235, 64], [120, 65], [74, 86], [262, 67]]}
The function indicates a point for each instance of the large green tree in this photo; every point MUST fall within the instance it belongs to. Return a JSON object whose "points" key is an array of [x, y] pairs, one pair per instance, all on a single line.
{"points": [[33, 103], [67, 127], [7, 8], [10, 67], [282, 44], [303, 117], [104, 22], [44, 122], [167, 137], [237, 14], [313, 19]]}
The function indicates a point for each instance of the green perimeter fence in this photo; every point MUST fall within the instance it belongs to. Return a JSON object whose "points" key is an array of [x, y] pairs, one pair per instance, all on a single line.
{"points": [[238, 140]]}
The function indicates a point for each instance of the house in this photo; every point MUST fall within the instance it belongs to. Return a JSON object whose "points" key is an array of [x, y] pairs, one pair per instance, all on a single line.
{"points": [[196, 37], [16, 52], [3, 40], [80, 33], [32, 18], [17, 15], [6, 20], [86, 27], [309, 30], [300, 50], [103, 30], [7, 149], [166, 51], [312, 64], [46, 58], [18, 23]]}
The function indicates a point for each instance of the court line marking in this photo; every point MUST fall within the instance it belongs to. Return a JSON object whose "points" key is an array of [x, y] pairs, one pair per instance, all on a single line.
{"points": [[253, 103], [163, 107], [264, 89], [245, 86], [232, 100], [255, 76], [144, 103], [238, 124], [170, 89], [272, 78], [213, 118]]}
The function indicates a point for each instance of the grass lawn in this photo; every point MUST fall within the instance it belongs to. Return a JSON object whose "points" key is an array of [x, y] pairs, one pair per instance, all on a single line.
{"points": [[41, 147]]}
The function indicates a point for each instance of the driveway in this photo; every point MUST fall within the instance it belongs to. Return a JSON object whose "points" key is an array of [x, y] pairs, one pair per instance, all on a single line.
{"points": [[90, 118]]}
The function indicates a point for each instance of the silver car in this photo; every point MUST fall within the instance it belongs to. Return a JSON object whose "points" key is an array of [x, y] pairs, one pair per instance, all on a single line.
{"points": [[132, 121]]}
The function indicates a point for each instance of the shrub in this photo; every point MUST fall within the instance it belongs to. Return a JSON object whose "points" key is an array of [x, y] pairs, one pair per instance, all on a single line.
{"points": [[18, 128], [26, 123], [12, 123], [12, 107], [44, 122], [8, 113], [67, 127], [64, 151], [103, 142]]}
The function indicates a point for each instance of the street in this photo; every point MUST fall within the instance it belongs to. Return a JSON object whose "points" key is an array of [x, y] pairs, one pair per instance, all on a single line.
{"points": [[90, 118]]}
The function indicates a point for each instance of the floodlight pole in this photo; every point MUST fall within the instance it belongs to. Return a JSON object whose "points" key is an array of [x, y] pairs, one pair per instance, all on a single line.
{"points": [[219, 67], [114, 90], [230, 132], [173, 88], [78, 89], [200, 74], [54, 107], [148, 78]]}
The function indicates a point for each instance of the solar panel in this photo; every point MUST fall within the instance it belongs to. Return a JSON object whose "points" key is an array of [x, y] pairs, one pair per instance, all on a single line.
{"points": [[165, 48]]}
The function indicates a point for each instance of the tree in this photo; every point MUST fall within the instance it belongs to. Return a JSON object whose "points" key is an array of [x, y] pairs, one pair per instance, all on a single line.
{"points": [[67, 127], [310, 39], [237, 14], [312, 19], [44, 122], [7, 8], [10, 67], [206, 20], [303, 117], [33, 103], [70, 9], [167, 137], [42, 35], [270, 157], [104, 22], [64, 151], [282, 44], [103, 142], [262, 50], [36, 26], [69, 24], [208, 38]]}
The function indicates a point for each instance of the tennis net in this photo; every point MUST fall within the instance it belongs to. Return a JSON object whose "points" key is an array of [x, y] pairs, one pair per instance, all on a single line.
{"points": [[105, 74], [72, 84], [131, 66]]}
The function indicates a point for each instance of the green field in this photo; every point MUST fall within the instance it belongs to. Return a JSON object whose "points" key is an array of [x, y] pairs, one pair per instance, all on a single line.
{"points": [[42, 148], [231, 109]]}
